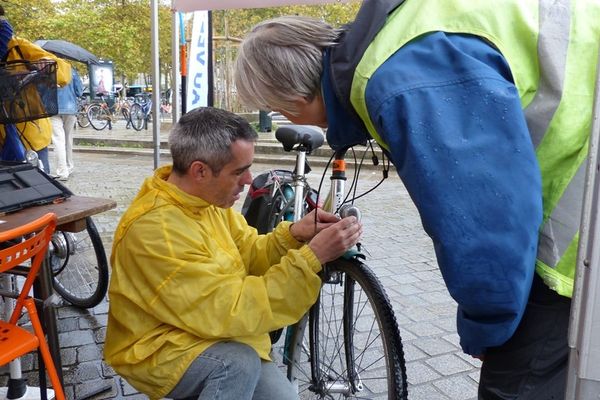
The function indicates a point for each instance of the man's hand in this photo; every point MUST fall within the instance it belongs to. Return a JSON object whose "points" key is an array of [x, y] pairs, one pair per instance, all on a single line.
{"points": [[305, 229], [333, 241]]}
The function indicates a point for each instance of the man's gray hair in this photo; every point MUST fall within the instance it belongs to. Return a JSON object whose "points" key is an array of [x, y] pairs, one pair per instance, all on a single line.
{"points": [[280, 60], [206, 134]]}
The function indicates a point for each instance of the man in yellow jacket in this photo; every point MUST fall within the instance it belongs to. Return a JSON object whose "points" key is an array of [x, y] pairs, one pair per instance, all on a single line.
{"points": [[194, 290], [35, 135]]}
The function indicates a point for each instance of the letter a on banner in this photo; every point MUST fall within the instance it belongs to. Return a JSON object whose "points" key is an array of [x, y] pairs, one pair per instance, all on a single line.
{"points": [[197, 82]]}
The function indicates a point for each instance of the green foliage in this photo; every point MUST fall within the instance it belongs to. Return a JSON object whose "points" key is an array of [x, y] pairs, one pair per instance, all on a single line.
{"points": [[117, 30]]}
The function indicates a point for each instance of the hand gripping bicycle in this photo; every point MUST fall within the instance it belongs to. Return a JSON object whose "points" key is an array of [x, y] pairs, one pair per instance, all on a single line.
{"points": [[348, 345]]}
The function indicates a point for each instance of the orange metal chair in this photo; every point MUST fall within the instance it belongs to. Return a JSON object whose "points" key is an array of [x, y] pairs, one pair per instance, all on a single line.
{"points": [[14, 340]]}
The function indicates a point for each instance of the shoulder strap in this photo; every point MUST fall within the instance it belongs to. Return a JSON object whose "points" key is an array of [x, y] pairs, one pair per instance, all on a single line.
{"points": [[15, 48]]}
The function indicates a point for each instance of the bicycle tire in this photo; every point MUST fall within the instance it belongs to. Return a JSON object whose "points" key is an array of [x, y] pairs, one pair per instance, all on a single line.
{"points": [[98, 116], [79, 266], [82, 119], [136, 116], [371, 340]]}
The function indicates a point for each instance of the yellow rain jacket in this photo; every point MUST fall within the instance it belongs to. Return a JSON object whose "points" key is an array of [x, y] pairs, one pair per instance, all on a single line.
{"points": [[187, 274], [38, 133]]}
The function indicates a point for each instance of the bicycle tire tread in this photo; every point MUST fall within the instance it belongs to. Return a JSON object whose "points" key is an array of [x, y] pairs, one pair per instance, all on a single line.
{"points": [[386, 314], [101, 285]]}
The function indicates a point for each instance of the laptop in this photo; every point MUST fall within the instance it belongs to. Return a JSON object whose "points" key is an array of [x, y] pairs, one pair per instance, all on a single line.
{"points": [[22, 185]]}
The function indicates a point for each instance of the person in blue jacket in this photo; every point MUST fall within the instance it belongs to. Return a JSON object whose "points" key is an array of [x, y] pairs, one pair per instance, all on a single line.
{"points": [[457, 96], [63, 125]]}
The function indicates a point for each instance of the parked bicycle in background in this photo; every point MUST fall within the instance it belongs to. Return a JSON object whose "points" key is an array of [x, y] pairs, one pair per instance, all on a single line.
{"points": [[108, 110], [82, 108], [141, 111]]}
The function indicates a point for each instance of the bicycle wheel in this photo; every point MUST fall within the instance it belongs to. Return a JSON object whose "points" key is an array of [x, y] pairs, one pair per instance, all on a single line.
{"points": [[98, 116], [82, 118], [136, 116], [79, 266], [352, 347]]}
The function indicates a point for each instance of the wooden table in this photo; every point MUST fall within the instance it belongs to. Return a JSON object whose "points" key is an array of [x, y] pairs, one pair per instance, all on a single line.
{"points": [[71, 214]]}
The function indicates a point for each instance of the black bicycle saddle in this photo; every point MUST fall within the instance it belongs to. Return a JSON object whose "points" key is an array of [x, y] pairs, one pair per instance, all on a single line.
{"points": [[307, 136]]}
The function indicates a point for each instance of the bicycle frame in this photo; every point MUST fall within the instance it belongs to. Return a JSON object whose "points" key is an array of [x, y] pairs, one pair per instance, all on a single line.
{"points": [[335, 200], [350, 296]]}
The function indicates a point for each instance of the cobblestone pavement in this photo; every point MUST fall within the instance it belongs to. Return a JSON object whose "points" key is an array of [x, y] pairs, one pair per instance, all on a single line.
{"points": [[400, 254]]}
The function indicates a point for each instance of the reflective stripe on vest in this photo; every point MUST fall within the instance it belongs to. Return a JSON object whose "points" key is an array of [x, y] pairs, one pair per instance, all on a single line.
{"points": [[551, 47]]}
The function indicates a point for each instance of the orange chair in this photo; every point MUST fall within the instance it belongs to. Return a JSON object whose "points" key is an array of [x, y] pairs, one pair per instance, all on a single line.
{"points": [[14, 340]]}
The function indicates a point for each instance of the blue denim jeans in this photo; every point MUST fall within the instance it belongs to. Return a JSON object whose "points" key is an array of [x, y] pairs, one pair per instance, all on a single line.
{"points": [[233, 371], [43, 157]]}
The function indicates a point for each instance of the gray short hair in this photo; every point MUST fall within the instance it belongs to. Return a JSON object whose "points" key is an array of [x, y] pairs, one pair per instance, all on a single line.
{"points": [[206, 134], [280, 60]]}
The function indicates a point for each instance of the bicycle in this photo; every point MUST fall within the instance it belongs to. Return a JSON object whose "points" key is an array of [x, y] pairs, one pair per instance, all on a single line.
{"points": [[141, 112], [102, 115], [82, 108], [348, 345]]}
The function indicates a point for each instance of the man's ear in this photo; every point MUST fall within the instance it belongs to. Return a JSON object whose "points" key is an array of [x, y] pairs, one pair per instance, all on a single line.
{"points": [[199, 170]]}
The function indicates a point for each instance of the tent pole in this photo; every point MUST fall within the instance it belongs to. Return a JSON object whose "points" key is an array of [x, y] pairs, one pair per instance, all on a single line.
{"points": [[155, 83], [175, 80]]}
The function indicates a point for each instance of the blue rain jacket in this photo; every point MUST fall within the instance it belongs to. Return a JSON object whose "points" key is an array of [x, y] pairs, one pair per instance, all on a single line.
{"points": [[451, 115], [68, 94]]}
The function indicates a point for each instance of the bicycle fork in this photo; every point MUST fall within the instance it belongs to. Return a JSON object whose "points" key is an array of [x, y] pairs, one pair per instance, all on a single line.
{"points": [[335, 204]]}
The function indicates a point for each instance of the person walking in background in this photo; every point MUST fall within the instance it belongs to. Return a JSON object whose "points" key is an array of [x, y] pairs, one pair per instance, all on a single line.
{"points": [[35, 135], [63, 125], [485, 109]]}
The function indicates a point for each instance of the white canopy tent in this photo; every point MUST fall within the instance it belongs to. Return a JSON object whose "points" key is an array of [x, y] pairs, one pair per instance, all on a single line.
{"points": [[193, 5]]}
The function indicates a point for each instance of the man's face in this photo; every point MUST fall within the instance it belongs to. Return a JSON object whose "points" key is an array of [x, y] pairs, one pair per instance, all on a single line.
{"points": [[224, 189]]}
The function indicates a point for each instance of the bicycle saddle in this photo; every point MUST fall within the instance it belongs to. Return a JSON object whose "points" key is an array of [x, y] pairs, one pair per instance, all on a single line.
{"points": [[306, 136]]}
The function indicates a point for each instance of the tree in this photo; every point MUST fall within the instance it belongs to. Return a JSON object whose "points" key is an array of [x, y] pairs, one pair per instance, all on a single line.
{"points": [[117, 30]]}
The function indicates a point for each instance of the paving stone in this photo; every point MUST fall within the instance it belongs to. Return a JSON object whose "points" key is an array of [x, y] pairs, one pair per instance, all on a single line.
{"points": [[435, 346], [457, 388], [93, 321], [426, 392], [449, 364], [88, 353], [86, 387], [417, 372], [87, 371], [68, 356], [76, 338], [68, 324]]}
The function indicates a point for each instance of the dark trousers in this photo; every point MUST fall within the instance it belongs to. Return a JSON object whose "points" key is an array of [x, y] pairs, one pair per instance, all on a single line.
{"points": [[532, 365]]}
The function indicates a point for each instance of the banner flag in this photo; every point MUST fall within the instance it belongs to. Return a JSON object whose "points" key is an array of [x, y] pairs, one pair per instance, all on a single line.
{"points": [[197, 81]]}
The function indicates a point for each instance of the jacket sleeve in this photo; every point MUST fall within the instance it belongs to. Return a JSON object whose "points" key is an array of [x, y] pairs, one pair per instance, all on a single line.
{"points": [[177, 276], [260, 252], [77, 85], [462, 148]]}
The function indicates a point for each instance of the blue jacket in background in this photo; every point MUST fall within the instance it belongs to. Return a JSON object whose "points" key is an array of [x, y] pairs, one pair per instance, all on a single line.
{"points": [[68, 95]]}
